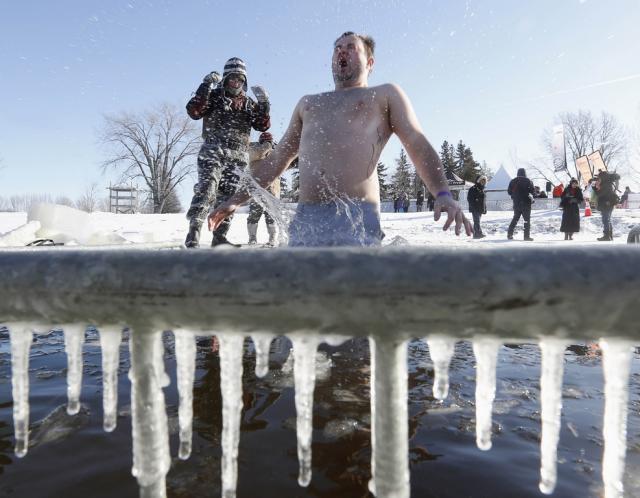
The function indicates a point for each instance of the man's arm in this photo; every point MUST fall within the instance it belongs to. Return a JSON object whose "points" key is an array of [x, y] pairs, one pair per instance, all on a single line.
{"points": [[272, 167], [404, 123]]}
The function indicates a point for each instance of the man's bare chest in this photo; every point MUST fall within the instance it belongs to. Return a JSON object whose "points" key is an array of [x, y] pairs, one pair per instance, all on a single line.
{"points": [[343, 110]]}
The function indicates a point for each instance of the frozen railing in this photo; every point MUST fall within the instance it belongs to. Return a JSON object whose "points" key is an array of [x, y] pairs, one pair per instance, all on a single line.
{"points": [[389, 295]]}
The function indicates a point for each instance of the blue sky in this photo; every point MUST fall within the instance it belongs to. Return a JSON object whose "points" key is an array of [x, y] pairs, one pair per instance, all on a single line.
{"points": [[493, 73]]}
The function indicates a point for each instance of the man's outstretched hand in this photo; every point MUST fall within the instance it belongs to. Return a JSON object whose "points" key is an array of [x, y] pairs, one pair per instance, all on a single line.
{"points": [[219, 214], [454, 213]]}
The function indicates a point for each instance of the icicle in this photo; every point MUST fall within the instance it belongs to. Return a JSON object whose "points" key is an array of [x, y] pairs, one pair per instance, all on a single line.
{"points": [[486, 353], [262, 343], [372, 401], [616, 356], [73, 341], [389, 419], [231, 388], [551, 405], [110, 338], [441, 351], [185, 369], [21, 336], [151, 459], [304, 373]]}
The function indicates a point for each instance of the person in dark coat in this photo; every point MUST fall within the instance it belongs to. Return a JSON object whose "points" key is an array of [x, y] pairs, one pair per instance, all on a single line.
{"points": [[430, 202], [605, 190], [570, 204], [228, 114], [521, 191], [624, 200], [396, 203], [419, 200], [405, 203], [477, 204]]}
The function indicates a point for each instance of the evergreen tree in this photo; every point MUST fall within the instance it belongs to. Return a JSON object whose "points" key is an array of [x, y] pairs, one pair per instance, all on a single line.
{"points": [[284, 187], [470, 167], [446, 156], [401, 181], [416, 183], [459, 157], [382, 180]]}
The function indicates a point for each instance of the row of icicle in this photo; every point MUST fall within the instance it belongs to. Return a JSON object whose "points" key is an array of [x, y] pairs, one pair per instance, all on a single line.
{"points": [[389, 439]]}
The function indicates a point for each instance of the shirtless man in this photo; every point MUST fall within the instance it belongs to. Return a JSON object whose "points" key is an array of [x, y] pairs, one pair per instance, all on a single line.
{"points": [[338, 137]]}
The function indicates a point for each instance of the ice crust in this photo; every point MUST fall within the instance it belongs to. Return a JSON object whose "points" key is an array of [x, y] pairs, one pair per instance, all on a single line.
{"points": [[389, 406]]}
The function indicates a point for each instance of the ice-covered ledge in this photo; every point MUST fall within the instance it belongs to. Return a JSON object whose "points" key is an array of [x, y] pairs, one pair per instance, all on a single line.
{"points": [[514, 293], [440, 294]]}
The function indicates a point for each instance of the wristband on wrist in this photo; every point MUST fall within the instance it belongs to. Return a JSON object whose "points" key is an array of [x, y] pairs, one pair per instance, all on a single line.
{"points": [[443, 192]]}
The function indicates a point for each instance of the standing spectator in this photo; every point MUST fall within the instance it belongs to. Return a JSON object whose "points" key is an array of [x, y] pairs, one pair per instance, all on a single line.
{"points": [[431, 200], [570, 204], [624, 200], [539, 194], [228, 115], [476, 198], [521, 191], [257, 152], [406, 202], [420, 200], [607, 200], [396, 203]]}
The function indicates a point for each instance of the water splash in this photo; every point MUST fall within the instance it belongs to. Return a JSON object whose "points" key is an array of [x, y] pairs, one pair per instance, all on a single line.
{"points": [[185, 344], [485, 350], [279, 211], [73, 341], [552, 370]]}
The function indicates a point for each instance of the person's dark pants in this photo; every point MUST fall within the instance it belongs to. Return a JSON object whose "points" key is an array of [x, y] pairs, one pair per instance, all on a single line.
{"points": [[418, 208], [607, 227], [217, 181], [521, 209], [477, 230], [255, 212]]}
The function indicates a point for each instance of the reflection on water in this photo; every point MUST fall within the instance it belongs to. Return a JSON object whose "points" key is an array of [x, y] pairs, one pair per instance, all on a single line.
{"points": [[72, 456]]}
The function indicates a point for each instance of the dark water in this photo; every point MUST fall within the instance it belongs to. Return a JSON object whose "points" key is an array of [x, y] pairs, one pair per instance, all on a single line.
{"points": [[73, 457]]}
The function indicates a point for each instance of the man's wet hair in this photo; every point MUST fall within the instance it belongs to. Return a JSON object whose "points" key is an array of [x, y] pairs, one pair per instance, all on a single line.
{"points": [[368, 42]]}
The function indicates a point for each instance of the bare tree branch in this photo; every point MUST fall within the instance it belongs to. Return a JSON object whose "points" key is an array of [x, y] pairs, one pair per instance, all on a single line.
{"points": [[155, 146]]}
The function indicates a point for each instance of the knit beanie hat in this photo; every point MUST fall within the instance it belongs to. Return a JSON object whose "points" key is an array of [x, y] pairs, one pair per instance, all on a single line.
{"points": [[235, 65]]}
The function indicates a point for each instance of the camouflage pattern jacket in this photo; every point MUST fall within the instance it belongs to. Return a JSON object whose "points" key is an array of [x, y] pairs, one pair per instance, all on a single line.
{"points": [[227, 121]]}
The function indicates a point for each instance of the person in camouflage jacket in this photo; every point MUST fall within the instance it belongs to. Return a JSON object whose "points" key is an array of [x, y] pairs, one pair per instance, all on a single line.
{"points": [[228, 115]]}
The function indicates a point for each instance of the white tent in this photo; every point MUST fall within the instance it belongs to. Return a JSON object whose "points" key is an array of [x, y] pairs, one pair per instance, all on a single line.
{"points": [[496, 189]]}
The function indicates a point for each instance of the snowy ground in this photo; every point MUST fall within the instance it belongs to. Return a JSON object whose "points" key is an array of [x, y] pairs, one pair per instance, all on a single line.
{"points": [[400, 229]]}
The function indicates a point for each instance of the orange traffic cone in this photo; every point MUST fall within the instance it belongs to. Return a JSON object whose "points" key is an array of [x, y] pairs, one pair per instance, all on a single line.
{"points": [[587, 209]]}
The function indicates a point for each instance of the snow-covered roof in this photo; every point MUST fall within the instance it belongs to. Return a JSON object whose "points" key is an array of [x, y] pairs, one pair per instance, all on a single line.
{"points": [[500, 180]]}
